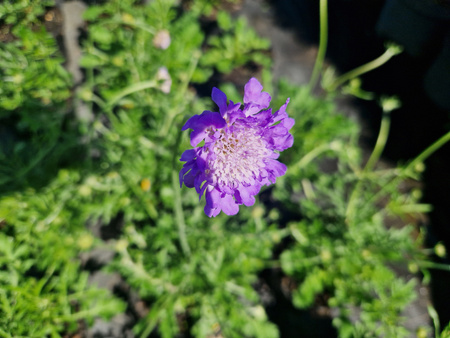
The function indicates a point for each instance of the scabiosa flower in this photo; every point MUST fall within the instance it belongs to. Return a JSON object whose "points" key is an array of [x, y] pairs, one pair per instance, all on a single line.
{"points": [[240, 149]]}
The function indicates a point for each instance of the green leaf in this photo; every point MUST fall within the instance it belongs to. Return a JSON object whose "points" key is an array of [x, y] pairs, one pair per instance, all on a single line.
{"points": [[101, 34], [93, 12], [90, 61]]}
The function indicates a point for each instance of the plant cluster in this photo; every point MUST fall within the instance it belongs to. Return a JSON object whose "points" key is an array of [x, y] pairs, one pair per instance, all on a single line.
{"points": [[323, 224]]}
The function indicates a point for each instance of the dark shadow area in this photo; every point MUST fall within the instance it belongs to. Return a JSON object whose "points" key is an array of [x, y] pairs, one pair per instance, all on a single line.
{"points": [[39, 132], [353, 41], [275, 287], [291, 321], [32, 152]]}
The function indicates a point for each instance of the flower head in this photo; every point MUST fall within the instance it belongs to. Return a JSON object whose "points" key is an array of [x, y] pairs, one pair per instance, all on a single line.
{"points": [[162, 39], [240, 150]]}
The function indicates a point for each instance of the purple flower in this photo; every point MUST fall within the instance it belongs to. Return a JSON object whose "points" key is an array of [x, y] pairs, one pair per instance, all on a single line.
{"points": [[240, 150]]}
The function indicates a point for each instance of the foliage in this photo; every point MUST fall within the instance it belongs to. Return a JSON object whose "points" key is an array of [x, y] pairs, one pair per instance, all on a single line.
{"points": [[236, 46], [32, 73], [23, 12], [347, 257], [211, 283], [42, 291], [207, 7], [34, 90], [324, 223], [446, 332]]}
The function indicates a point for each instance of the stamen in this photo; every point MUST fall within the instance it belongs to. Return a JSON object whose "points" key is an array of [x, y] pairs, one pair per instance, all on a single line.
{"points": [[239, 157]]}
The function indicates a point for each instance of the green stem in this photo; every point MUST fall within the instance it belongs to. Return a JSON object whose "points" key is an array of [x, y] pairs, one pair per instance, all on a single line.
{"points": [[428, 151], [323, 41], [381, 142], [136, 87], [134, 24], [168, 122], [179, 215], [433, 265], [419, 159], [381, 60], [178, 206], [435, 317], [305, 160], [352, 203], [141, 273], [381, 173], [374, 157]]}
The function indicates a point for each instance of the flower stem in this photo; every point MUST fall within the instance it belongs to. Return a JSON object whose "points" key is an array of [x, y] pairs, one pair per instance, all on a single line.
{"points": [[131, 89], [435, 317], [178, 207], [305, 160], [323, 41], [428, 151], [433, 265], [419, 159], [374, 157], [179, 215], [381, 142], [381, 60]]}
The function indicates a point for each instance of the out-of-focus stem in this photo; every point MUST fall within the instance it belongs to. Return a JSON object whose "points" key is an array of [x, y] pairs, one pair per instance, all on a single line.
{"points": [[374, 157], [381, 142], [323, 41], [131, 89], [305, 160], [419, 159], [379, 61], [429, 151], [179, 215]]}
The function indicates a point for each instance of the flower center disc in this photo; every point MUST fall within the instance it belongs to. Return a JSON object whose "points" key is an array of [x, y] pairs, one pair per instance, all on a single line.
{"points": [[238, 157]]}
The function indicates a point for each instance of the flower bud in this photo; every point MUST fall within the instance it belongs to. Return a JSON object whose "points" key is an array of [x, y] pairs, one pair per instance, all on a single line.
{"points": [[166, 81], [162, 39]]}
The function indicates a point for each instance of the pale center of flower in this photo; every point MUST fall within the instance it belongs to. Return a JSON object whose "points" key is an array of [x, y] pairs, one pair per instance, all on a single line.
{"points": [[239, 157]]}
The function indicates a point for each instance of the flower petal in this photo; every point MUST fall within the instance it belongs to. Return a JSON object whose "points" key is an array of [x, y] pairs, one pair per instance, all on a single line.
{"points": [[220, 99], [188, 174], [253, 94], [199, 124], [212, 197], [212, 207], [211, 212], [281, 114], [276, 169], [288, 123], [233, 112], [245, 195], [229, 205], [188, 155]]}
